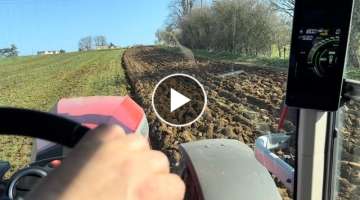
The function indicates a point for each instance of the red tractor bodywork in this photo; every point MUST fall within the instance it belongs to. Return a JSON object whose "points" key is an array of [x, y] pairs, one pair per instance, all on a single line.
{"points": [[97, 110]]}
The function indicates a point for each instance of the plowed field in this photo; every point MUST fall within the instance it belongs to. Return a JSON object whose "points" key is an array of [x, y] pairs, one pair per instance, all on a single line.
{"points": [[243, 102]]}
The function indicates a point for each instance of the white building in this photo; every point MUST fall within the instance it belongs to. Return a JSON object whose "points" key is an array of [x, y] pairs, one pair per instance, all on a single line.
{"points": [[111, 46], [48, 52]]}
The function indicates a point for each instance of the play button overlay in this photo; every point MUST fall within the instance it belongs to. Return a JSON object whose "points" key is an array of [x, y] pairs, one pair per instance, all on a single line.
{"points": [[179, 100]]}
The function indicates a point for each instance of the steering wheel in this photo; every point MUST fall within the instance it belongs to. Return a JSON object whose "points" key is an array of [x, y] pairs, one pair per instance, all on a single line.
{"points": [[36, 124], [41, 125]]}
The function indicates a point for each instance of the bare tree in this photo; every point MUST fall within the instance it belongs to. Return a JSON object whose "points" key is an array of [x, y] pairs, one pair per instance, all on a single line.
{"points": [[100, 40], [281, 35], [179, 9], [187, 5], [85, 43], [284, 6]]}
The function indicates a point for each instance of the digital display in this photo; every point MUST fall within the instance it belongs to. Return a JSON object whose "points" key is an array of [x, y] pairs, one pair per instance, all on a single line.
{"points": [[318, 51]]}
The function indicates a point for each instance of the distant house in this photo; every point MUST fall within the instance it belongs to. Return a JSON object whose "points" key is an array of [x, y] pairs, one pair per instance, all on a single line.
{"points": [[102, 47], [111, 46], [48, 52]]}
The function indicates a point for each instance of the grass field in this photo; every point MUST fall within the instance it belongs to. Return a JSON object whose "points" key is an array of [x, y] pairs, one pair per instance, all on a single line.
{"points": [[38, 82]]}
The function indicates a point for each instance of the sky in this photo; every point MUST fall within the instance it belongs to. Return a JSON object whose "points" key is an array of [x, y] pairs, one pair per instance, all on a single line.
{"points": [[36, 25]]}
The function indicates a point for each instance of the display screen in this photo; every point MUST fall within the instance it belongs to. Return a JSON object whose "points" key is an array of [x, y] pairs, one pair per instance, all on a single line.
{"points": [[317, 52], [319, 42]]}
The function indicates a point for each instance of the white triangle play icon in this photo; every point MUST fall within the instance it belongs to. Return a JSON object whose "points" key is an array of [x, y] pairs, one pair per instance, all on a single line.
{"points": [[177, 100]]}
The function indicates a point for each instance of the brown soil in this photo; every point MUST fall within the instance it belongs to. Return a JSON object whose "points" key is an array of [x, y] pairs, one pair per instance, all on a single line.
{"points": [[349, 179], [240, 107]]}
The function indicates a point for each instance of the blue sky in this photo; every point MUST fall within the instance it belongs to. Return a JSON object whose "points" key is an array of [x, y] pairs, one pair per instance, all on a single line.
{"points": [[35, 25]]}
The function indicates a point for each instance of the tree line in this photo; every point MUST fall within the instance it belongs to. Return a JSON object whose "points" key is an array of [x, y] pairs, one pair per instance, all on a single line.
{"points": [[248, 27]]}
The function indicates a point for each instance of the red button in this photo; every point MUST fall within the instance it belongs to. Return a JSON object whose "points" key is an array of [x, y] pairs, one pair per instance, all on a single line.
{"points": [[55, 163]]}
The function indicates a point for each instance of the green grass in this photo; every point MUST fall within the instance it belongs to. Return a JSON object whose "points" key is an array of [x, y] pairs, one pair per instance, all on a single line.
{"points": [[38, 82], [273, 61], [353, 73]]}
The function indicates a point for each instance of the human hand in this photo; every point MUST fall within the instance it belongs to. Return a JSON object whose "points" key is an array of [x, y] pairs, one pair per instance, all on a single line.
{"points": [[108, 164]]}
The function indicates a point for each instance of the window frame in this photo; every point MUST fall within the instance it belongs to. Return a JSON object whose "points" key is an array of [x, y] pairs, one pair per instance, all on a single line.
{"points": [[351, 91]]}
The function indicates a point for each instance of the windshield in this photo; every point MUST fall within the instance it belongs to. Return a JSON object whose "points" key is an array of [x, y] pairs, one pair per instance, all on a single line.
{"points": [[238, 50]]}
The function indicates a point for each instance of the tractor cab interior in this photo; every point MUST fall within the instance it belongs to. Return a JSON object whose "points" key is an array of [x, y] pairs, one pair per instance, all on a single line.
{"points": [[306, 147]]}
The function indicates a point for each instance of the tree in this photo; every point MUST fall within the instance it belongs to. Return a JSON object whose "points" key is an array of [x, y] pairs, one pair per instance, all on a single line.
{"points": [[186, 6], [112, 45], [281, 35], [13, 51], [85, 43], [100, 41], [9, 52], [284, 6], [196, 29], [165, 36], [179, 9], [62, 51]]}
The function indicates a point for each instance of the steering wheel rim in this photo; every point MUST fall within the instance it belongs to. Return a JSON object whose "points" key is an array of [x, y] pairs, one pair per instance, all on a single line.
{"points": [[36, 124]]}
